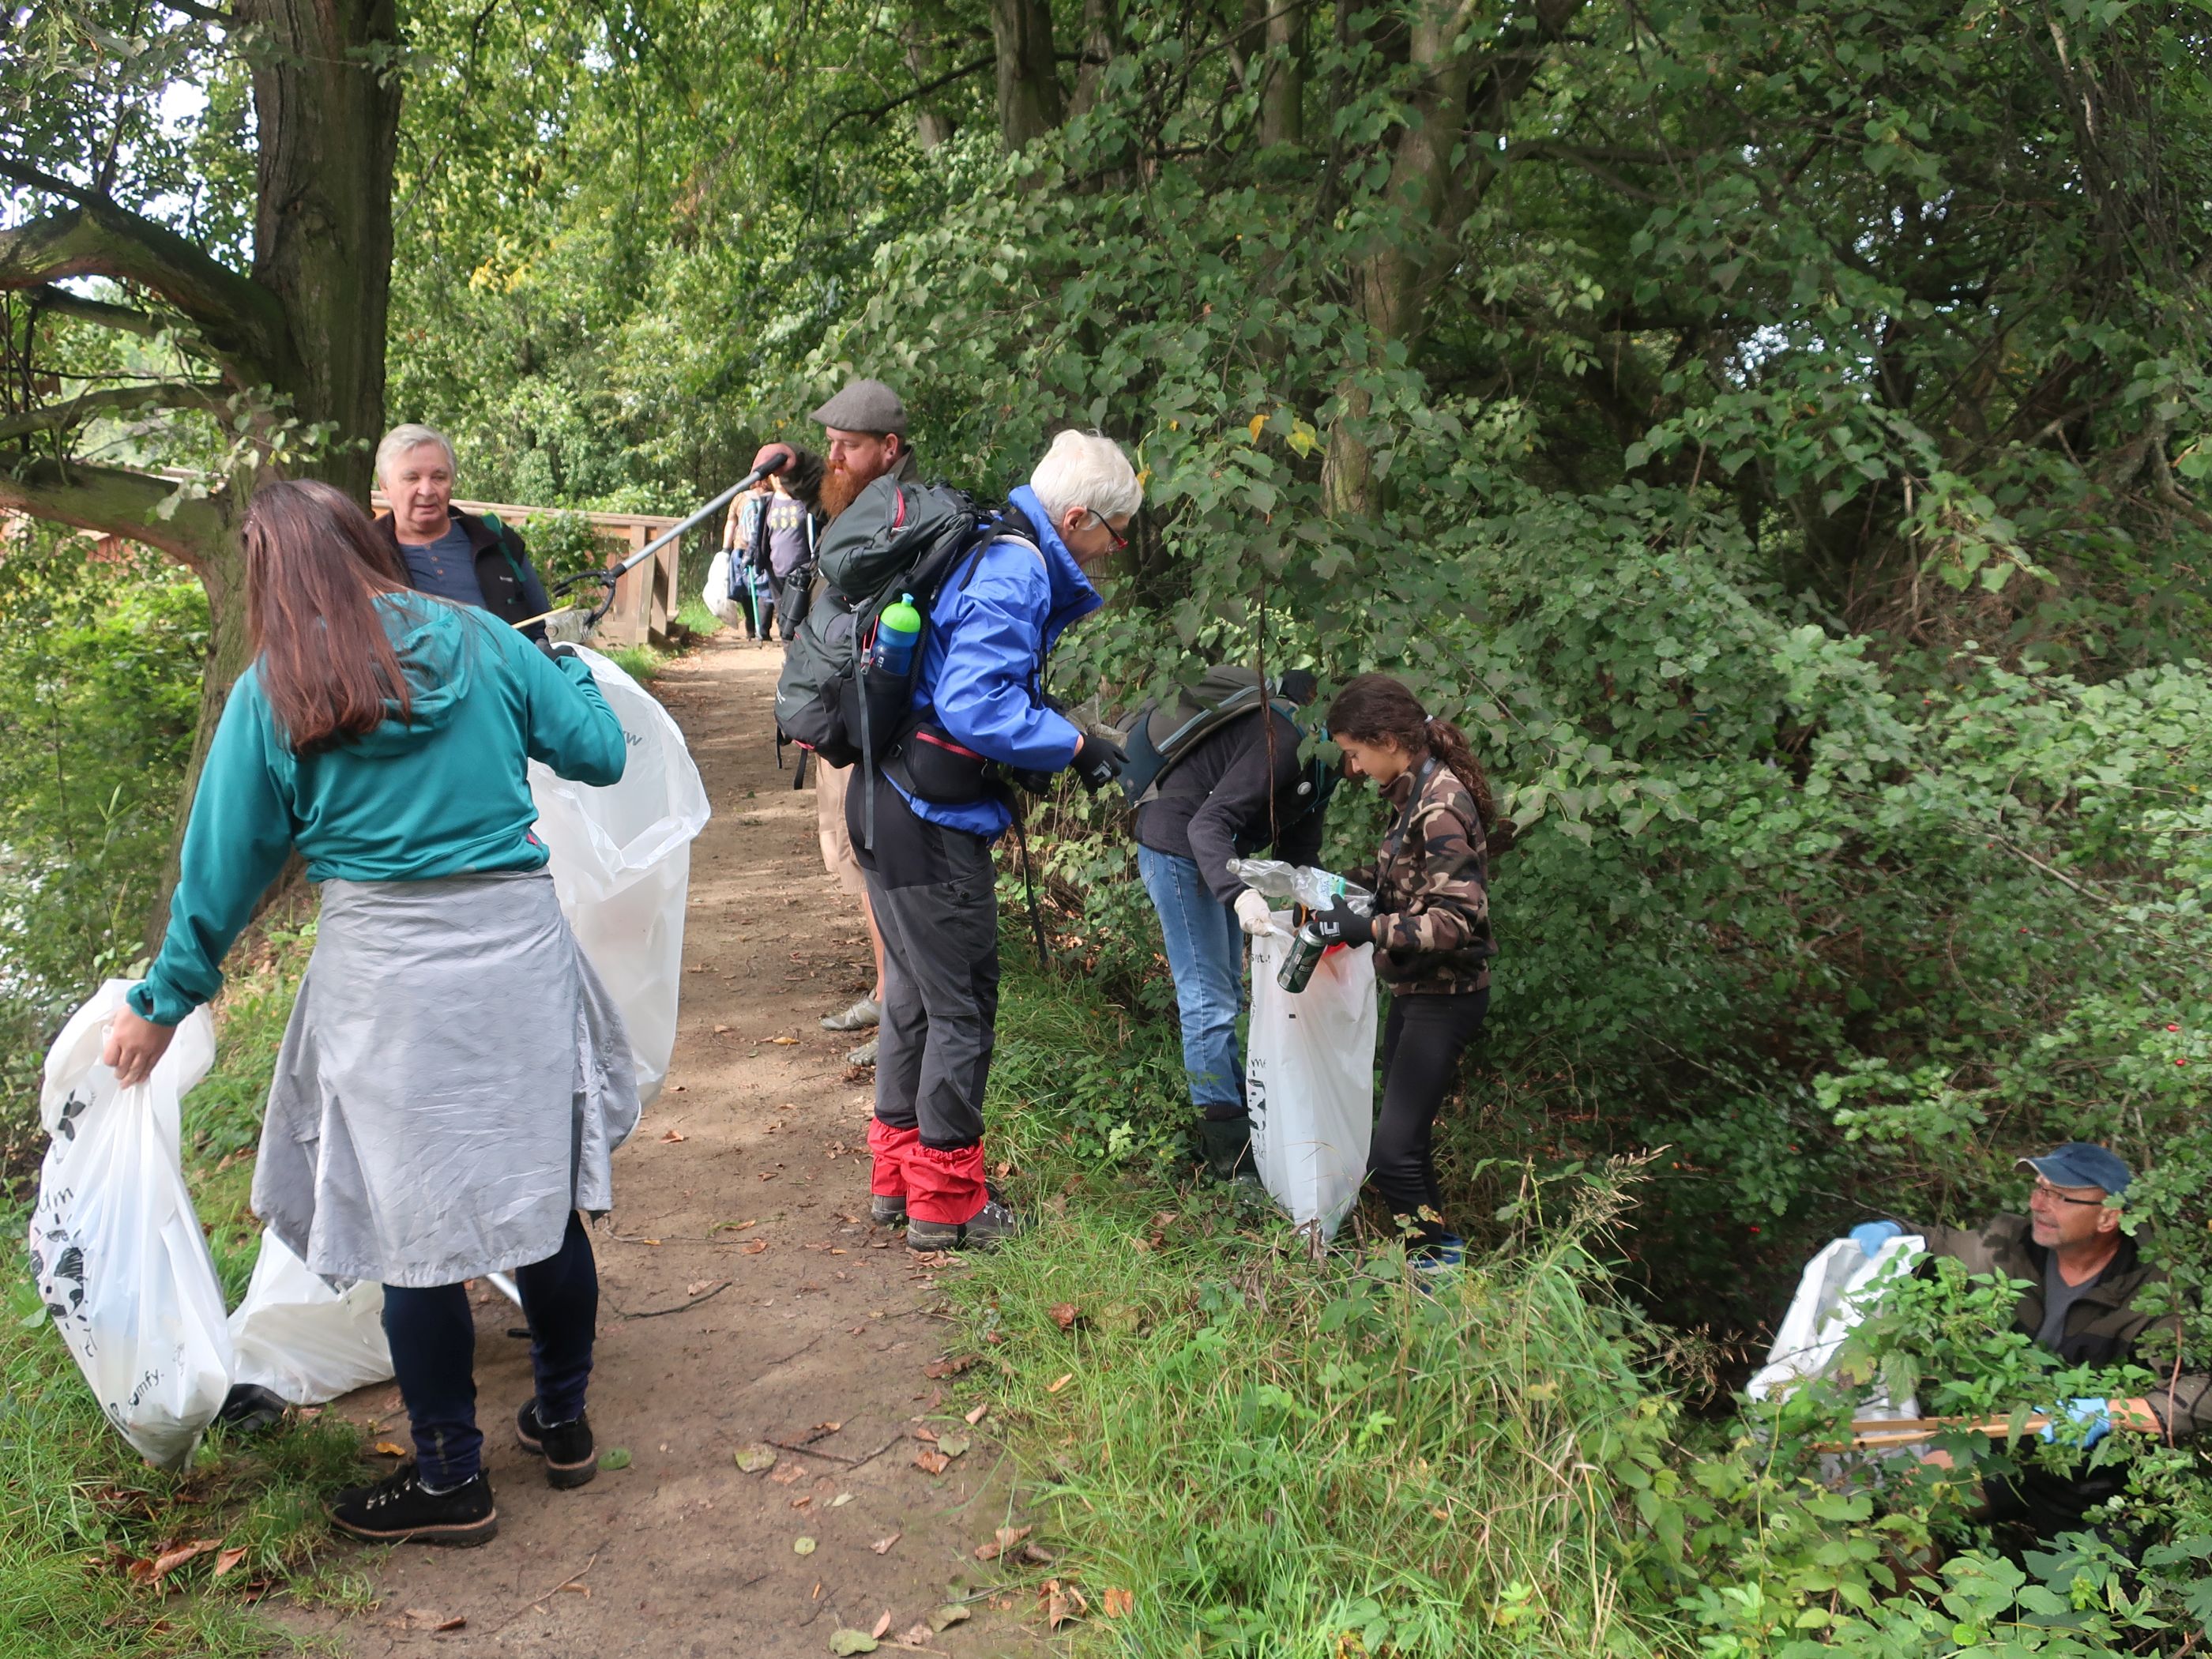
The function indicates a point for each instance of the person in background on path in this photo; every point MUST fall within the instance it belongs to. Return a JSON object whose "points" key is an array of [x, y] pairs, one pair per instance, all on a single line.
{"points": [[455, 555], [2083, 1274], [454, 1076], [1224, 799], [865, 426], [979, 708], [788, 564], [1430, 926], [745, 538]]}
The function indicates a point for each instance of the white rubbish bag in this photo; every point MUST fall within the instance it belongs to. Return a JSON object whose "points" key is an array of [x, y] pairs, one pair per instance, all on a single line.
{"points": [[1838, 1288], [622, 865], [716, 592], [300, 1339], [1309, 1080], [116, 1248]]}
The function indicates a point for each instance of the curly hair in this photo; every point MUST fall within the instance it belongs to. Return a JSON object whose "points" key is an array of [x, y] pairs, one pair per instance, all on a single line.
{"points": [[1376, 709]]}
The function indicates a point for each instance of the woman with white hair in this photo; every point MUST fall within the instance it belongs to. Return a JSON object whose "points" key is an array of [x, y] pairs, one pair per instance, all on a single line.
{"points": [[978, 714], [461, 556]]}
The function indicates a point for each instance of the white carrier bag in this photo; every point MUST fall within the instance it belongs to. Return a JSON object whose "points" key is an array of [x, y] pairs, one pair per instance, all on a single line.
{"points": [[1310, 1079], [1838, 1288], [715, 594], [116, 1248], [622, 865], [302, 1340]]}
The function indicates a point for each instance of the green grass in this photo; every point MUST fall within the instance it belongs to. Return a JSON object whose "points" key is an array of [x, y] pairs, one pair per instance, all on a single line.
{"points": [[1279, 1458], [77, 1506]]}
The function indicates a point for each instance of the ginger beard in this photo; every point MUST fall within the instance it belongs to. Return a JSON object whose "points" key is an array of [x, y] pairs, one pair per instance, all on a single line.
{"points": [[839, 489]]}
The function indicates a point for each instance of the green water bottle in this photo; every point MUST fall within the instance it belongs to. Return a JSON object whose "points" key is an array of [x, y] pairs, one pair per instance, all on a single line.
{"points": [[897, 630]]}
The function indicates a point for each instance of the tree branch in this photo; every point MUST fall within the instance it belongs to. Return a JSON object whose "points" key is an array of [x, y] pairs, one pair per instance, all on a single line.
{"points": [[222, 19], [242, 322], [164, 394], [111, 500], [37, 179], [63, 303]]}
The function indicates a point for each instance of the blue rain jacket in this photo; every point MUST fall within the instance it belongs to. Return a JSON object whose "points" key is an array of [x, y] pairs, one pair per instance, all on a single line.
{"points": [[983, 661]]}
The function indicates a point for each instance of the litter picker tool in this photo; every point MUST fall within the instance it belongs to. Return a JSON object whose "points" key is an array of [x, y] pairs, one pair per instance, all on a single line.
{"points": [[606, 579]]}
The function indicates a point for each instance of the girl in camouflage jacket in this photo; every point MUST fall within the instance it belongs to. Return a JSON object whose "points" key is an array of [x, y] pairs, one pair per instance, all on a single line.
{"points": [[1430, 927]]}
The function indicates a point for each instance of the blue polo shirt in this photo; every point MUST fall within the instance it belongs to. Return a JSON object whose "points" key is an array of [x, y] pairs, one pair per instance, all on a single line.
{"points": [[445, 567]]}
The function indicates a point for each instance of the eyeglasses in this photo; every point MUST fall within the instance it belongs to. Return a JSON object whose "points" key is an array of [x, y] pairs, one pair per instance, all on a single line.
{"points": [[2044, 1189], [1119, 540]]}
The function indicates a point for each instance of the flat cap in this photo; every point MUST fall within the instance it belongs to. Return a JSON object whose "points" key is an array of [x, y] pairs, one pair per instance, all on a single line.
{"points": [[864, 406]]}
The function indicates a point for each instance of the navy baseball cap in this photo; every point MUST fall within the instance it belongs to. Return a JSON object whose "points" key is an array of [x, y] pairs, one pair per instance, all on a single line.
{"points": [[2082, 1163]]}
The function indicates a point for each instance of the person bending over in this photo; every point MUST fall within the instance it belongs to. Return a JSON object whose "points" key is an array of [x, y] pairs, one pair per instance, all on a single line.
{"points": [[1431, 930], [454, 1076]]}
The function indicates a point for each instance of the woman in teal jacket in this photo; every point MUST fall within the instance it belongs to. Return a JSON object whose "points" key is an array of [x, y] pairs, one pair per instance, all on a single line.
{"points": [[454, 1076]]}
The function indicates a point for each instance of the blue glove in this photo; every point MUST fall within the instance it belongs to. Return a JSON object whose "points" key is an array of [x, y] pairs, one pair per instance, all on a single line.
{"points": [[2090, 1413], [1871, 1236]]}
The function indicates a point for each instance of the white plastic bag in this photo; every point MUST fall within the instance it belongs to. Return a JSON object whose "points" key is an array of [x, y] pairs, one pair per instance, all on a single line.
{"points": [[116, 1250], [622, 865], [1309, 1080], [1837, 1289], [716, 592], [301, 1339]]}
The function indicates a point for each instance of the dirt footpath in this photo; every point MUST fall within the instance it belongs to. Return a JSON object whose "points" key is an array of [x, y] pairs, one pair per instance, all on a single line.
{"points": [[746, 1303]]}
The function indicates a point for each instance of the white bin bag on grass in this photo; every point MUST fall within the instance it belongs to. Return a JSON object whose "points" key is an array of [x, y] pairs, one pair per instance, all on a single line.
{"points": [[1309, 1080], [1838, 1288], [622, 865], [116, 1248], [303, 1341]]}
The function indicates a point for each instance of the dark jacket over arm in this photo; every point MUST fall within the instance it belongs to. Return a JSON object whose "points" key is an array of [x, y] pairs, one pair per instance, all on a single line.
{"points": [[1227, 797]]}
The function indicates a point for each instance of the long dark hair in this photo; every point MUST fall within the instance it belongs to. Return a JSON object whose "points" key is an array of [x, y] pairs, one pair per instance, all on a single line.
{"points": [[1376, 709], [314, 566]]}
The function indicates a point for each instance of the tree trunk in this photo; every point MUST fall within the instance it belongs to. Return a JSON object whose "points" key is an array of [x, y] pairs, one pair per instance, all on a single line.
{"points": [[1283, 93], [1102, 39], [931, 125], [1030, 102]]}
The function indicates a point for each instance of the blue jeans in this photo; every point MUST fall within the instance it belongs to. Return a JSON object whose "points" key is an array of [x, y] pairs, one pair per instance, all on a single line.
{"points": [[1205, 954]]}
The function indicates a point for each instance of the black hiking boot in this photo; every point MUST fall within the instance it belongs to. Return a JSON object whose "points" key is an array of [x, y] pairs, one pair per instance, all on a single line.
{"points": [[886, 1212], [398, 1511], [570, 1458], [1228, 1145], [985, 1230]]}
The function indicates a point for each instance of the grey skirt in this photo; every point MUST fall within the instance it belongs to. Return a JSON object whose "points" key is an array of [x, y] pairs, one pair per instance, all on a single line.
{"points": [[453, 1083]]}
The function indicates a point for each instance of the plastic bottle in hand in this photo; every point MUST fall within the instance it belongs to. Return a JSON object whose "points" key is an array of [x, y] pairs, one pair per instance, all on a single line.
{"points": [[896, 631]]}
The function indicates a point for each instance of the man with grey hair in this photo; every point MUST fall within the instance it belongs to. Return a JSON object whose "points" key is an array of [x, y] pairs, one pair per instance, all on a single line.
{"points": [[458, 555], [979, 714]]}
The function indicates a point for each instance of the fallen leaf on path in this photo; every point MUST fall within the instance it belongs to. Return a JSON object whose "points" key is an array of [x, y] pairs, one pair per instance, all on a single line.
{"points": [[840, 1500], [802, 1500], [828, 1428], [948, 1367], [754, 1247], [930, 1462], [168, 1561], [918, 1636], [785, 1043], [228, 1558], [732, 1226], [674, 1135], [1117, 1603], [883, 1545], [851, 1641], [718, 1030], [1062, 1603], [697, 1285], [389, 1449], [802, 1547], [424, 1619], [1060, 1382], [1066, 1315], [1037, 1555], [789, 1474], [926, 1433], [976, 1416], [953, 1444], [883, 1625], [1006, 1539], [950, 1614], [615, 1457], [754, 1458]]}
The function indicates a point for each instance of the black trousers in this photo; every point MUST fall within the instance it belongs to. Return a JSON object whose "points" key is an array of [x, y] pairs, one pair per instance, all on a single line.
{"points": [[1422, 1042], [935, 896]]}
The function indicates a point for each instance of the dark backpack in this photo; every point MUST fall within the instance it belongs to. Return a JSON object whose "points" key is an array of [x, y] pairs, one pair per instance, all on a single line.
{"points": [[895, 538], [1167, 730]]}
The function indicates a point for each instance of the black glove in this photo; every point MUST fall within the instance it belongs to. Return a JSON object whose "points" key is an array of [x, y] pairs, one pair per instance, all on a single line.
{"points": [[1344, 926], [1030, 782], [556, 649], [1101, 759]]}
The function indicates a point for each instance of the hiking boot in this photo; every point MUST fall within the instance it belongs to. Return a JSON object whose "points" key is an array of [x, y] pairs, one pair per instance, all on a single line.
{"points": [[984, 1231], [863, 1055], [570, 1458], [397, 1509], [862, 1014], [886, 1210], [1227, 1142]]}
